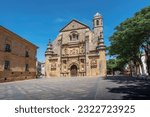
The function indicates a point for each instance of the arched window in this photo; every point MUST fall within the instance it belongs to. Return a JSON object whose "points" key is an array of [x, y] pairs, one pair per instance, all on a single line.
{"points": [[97, 22], [74, 36]]}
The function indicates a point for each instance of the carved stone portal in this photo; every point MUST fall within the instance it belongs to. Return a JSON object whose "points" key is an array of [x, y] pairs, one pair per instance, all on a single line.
{"points": [[73, 70]]}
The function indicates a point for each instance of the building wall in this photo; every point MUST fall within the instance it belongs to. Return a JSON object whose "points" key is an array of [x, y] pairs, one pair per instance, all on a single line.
{"points": [[144, 71], [43, 69], [79, 56], [16, 57]]}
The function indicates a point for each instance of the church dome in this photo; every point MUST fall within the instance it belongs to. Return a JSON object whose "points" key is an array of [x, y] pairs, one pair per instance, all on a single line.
{"points": [[97, 15]]}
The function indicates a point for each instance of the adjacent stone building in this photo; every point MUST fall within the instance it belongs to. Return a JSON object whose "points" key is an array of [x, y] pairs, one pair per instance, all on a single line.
{"points": [[17, 57], [40, 66], [77, 51]]}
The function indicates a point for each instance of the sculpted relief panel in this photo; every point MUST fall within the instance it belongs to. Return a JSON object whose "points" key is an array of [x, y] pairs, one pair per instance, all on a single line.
{"points": [[53, 66], [93, 63], [74, 51], [70, 51], [82, 49]]}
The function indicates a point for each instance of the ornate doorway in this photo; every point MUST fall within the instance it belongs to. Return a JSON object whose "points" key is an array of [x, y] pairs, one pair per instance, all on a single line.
{"points": [[73, 70]]}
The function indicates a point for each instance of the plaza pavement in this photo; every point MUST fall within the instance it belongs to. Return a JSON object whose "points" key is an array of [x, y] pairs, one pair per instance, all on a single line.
{"points": [[81, 88]]}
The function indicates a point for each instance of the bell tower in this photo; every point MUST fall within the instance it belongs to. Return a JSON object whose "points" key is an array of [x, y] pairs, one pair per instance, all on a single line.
{"points": [[98, 26], [98, 35]]}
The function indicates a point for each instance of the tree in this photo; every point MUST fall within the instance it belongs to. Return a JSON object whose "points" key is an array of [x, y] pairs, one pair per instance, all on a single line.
{"points": [[111, 65], [132, 38], [115, 65]]}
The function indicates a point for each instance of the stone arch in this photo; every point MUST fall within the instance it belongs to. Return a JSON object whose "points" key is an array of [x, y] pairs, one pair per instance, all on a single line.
{"points": [[74, 68], [74, 63], [74, 35], [97, 22]]}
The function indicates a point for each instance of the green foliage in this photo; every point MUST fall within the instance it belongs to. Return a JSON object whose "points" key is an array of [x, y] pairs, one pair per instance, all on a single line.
{"points": [[111, 64], [131, 37], [115, 64]]}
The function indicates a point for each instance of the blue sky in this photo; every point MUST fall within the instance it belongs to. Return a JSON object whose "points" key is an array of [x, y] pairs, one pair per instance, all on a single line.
{"points": [[40, 20]]}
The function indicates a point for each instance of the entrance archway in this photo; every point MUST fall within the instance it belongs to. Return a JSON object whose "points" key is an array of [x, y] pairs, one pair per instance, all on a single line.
{"points": [[73, 70]]}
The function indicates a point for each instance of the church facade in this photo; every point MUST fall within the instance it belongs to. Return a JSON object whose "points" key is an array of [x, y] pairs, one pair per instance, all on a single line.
{"points": [[77, 51]]}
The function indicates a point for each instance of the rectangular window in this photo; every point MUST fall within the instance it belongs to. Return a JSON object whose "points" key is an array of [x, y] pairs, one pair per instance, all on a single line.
{"points": [[27, 54], [7, 65], [7, 48], [82, 60], [26, 67]]}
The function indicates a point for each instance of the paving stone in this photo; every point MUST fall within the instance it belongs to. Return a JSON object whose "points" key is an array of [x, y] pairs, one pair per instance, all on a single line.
{"points": [[87, 88]]}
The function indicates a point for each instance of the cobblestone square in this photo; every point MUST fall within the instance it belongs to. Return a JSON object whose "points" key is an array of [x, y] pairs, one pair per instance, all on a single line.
{"points": [[76, 88]]}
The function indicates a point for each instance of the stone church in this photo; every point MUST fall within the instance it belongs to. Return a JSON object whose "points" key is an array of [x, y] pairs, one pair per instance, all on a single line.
{"points": [[77, 51]]}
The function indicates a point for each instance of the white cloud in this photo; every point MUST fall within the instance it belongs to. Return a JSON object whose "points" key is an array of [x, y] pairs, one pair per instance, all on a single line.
{"points": [[59, 20]]}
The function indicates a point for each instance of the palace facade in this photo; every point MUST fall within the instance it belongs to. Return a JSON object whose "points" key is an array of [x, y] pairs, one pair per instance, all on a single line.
{"points": [[17, 57], [77, 51]]}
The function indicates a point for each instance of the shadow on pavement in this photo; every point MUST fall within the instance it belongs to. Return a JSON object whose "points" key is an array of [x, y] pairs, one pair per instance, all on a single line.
{"points": [[133, 88]]}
